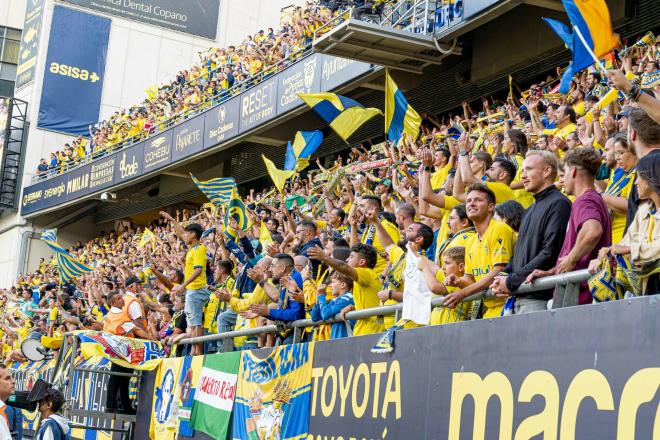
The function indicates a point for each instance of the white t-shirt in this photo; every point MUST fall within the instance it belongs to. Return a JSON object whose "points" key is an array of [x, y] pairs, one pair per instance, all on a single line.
{"points": [[134, 310], [5, 433]]}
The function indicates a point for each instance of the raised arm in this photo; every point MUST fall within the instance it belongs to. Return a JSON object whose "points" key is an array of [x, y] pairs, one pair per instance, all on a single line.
{"points": [[317, 253]]}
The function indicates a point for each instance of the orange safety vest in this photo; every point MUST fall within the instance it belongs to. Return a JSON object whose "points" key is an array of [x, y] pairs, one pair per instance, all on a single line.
{"points": [[128, 300], [114, 320]]}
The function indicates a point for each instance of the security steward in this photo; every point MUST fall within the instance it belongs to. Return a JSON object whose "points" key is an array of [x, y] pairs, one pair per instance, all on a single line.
{"points": [[125, 318]]}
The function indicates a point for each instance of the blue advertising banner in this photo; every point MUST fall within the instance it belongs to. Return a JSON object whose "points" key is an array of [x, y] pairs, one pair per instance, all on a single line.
{"points": [[157, 151], [336, 71], [274, 97], [221, 123], [130, 163], [188, 138], [258, 105], [75, 67], [302, 77]]}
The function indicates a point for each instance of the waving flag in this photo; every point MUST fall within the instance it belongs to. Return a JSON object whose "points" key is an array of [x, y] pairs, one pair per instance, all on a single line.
{"points": [[304, 145], [69, 267], [236, 209], [264, 236], [147, 237], [592, 37], [218, 190], [343, 114], [49, 236], [400, 117], [277, 176]]}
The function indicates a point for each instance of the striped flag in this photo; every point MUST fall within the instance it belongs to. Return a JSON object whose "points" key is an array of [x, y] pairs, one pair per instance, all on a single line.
{"points": [[218, 190], [49, 236], [344, 115], [70, 268]]}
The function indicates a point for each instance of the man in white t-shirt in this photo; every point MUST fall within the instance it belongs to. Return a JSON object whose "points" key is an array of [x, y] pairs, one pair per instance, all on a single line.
{"points": [[7, 384]]}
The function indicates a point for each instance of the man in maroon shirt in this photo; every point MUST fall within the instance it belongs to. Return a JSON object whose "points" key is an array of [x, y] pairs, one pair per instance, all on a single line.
{"points": [[589, 227]]}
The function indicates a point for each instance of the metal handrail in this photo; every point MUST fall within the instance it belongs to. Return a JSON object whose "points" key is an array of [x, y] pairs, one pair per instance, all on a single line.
{"points": [[237, 89], [570, 278]]}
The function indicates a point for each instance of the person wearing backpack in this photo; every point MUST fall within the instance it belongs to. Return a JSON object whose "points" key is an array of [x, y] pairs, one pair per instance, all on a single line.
{"points": [[52, 426], [15, 418]]}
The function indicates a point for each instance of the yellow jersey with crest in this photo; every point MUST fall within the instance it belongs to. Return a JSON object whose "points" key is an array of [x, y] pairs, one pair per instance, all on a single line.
{"points": [[484, 253]]}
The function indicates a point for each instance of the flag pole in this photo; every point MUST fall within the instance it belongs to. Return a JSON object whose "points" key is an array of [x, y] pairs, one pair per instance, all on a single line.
{"points": [[599, 65]]}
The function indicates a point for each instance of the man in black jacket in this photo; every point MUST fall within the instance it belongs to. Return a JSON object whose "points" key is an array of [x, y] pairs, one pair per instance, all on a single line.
{"points": [[541, 233]]}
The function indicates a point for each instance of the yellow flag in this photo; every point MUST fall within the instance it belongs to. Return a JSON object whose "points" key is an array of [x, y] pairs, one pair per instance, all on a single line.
{"points": [[147, 237], [277, 176], [152, 92], [264, 236]]}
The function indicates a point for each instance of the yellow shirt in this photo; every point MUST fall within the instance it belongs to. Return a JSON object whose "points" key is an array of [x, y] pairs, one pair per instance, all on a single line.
{"points": [[502, 191], [196, 258], [438, 178], [211, 309], [459, 240], [52, 315], [370, 237], [258, 296], [484, 253], [365, 295], [620, 187], [561, 132]]}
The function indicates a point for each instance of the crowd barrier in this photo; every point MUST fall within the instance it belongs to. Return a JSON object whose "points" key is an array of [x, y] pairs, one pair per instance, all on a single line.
{"points": [[566, 294], [579, 372]]}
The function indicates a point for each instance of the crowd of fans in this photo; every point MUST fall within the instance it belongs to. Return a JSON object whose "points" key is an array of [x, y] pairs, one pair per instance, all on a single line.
{"points": [[220, 74], [536, 185]]}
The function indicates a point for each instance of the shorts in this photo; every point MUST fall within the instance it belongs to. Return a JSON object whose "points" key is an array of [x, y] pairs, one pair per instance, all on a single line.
{"points": [[194, 307]]}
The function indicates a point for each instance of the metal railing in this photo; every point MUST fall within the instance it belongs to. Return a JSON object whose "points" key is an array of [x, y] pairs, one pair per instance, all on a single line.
{"points": [[208, 103], [566, 294]]}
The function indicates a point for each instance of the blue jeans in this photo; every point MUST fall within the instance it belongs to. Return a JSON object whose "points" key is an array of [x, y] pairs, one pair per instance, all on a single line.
{"points": [[226, 323]]}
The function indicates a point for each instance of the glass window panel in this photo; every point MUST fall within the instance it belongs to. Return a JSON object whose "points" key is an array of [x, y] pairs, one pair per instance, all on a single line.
{"points": [[10, 51], [8, 71]]}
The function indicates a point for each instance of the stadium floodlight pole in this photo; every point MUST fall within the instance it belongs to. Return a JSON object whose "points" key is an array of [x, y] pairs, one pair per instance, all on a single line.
{"points": [[599, 65]]}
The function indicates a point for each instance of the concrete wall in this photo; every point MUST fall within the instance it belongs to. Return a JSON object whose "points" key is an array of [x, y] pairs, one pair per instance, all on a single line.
{"points": [[12, 13]]}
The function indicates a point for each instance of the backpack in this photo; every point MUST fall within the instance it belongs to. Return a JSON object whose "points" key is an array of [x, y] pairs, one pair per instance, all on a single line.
{"points": [[58, 433]]}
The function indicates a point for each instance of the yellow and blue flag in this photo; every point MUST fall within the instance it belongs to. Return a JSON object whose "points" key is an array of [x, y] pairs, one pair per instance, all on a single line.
{"points": [[147, 237], [218, 190], [343, 114], [49, 236], [400, 117], [134, 353], [236, 209], [591, 19], [69, 267], [274, 394], [304, 145], [278, 177]]}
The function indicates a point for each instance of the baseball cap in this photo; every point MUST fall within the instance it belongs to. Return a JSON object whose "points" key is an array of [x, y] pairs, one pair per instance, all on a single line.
{"points": [[131, 280]]}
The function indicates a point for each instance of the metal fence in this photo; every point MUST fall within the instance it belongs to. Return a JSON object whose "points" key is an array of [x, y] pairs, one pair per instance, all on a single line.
{"points": [[566, 288]]}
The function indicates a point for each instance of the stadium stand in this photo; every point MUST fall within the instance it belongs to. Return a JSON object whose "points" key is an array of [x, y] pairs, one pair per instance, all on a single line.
{"points": [[511, 190]]}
